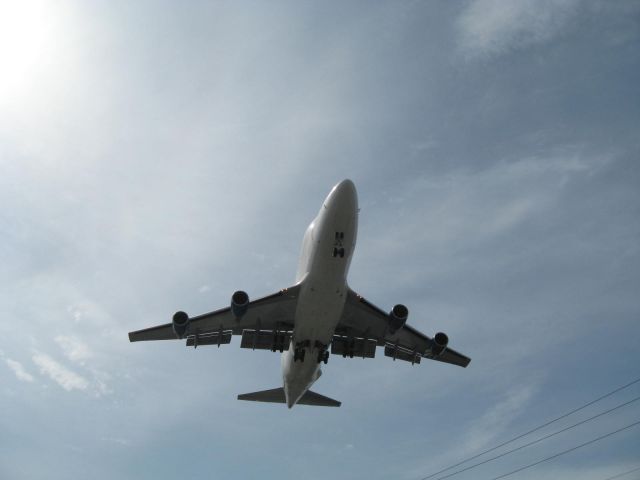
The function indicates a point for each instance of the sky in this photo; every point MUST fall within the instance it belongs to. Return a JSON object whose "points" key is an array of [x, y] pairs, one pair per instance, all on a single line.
{"points": [[156, 156]]}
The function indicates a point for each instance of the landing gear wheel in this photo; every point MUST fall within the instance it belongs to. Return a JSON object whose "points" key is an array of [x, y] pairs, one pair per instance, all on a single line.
{"points": [[323, 356], [335, 252], [298, 354], [341, 252]]}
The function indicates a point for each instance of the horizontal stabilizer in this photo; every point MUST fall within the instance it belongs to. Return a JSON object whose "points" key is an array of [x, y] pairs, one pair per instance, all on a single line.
{"points": [[276, 395], [313, 398]]}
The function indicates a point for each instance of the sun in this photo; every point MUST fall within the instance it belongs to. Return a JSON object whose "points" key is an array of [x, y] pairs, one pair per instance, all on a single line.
{"points": [[25, 34]]}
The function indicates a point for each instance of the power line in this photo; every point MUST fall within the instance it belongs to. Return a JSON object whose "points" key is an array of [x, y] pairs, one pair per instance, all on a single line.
{"points": [[533, 430], [566, 451], [623, 474], [540, 439]]}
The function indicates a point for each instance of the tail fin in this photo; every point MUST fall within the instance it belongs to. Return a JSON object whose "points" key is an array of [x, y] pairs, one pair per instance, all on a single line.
{"points": [[277, 395]]}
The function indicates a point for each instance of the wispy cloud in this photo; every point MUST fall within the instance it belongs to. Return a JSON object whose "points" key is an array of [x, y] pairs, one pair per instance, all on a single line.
{"points": [[498, 418], [74, 349], [88, 312], [125, 442], [485, 204], [19, 370], [64, 377], [494, 27]]}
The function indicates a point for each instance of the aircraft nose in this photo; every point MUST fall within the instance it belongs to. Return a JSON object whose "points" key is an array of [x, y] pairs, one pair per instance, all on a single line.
{"points": [[346, 187], [343, 194]]}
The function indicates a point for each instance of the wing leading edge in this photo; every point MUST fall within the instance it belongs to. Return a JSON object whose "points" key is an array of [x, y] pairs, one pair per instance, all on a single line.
{"points": [[274, 312], [363, 320]]}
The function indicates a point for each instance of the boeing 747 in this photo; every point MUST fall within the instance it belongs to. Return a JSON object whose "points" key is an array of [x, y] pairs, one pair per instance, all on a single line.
{"points": [[317, 315]]}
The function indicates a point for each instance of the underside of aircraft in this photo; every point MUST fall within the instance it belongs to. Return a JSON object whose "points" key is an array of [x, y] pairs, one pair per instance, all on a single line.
{"points": [[319, 315]]}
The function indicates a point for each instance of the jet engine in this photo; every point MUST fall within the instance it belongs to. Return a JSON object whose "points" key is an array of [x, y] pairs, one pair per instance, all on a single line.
{"points": [[440, 342], [239, 303], [180, 323], [398, 317]]}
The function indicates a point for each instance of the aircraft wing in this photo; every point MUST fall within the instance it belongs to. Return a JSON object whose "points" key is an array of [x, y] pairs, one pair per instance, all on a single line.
{"points": [[273, 312], [366, 322]]}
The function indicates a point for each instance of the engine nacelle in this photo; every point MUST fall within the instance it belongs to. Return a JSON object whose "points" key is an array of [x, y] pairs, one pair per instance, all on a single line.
{"points": [[180, 323], [398, 317], [239, 303], [440, 342]]}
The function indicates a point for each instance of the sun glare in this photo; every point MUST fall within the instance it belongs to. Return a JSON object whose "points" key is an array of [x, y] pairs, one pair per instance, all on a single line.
{"points": [[25, 44]]}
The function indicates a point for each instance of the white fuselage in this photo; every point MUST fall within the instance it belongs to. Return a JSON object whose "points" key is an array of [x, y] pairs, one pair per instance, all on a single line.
{"points": [[327, 249]]}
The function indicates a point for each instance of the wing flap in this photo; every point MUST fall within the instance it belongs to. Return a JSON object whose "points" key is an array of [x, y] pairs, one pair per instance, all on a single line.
{"points": [[265, 340], [211, 338], [353, 347], [399, 353]]}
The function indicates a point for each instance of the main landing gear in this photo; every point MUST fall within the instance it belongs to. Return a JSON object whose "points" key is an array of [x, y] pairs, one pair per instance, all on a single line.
{"points": [[301, 349], [323, 356], [323, 352], [298, 354]]}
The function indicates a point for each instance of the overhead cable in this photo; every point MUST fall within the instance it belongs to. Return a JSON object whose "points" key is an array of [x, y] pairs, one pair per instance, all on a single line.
{"points": [[567, 451], [623, 474], [534, 429], [540, 439]]}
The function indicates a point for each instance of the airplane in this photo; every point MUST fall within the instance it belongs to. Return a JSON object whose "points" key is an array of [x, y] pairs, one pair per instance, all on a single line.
{"points": [[320, 313]]}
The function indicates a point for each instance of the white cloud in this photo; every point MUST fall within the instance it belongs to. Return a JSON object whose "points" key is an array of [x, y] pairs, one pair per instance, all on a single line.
{"points": [[493, 27], [88, 312], [125, 442], [60, 374], [19, 370], [73, 348], [498, 418], [485, 204]]}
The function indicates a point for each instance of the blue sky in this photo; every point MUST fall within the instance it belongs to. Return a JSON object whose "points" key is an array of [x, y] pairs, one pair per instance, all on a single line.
{"points": [[157, 156]]}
